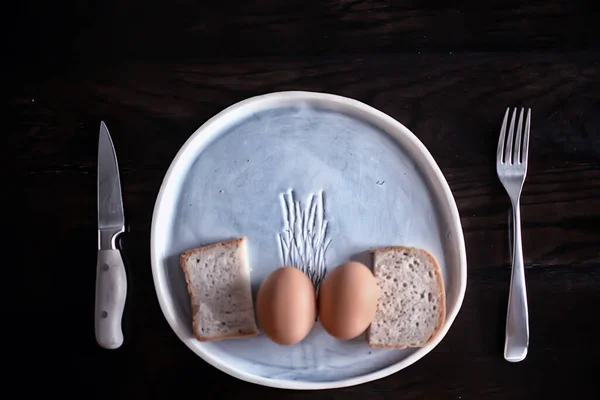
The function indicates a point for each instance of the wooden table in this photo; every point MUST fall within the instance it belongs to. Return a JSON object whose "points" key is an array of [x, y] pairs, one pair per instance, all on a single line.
{"points": [[156, 72]]}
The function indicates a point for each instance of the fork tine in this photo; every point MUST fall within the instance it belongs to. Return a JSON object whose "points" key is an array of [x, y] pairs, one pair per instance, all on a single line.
{"points": [[502, 139], [517, 155], [526, 137], [510, 141]]}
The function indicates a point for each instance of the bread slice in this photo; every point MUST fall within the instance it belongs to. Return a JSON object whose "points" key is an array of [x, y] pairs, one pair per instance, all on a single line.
{"points": [[218, 281], [411, 308]]}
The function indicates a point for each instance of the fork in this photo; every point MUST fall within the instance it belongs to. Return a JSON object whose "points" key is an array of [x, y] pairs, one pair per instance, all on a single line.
{"points": [[511, 166]]}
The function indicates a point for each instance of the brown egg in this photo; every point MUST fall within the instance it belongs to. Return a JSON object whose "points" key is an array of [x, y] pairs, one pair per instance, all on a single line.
{"points": [[286, 306], [348, 300]]}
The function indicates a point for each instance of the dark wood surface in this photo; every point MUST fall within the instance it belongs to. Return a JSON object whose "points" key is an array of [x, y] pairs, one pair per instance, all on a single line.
{"points": [[155, 72]]}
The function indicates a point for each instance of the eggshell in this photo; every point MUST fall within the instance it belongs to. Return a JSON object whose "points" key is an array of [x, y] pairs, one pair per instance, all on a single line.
{"points": [[286, 306], [348, 300]]}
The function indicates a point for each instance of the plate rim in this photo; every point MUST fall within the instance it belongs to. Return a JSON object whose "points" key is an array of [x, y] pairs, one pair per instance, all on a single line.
{"points": [[157, 262]]}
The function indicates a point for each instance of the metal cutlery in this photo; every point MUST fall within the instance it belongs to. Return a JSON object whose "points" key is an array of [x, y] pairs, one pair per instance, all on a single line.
{"points": [[111, 280], [511, 166]]}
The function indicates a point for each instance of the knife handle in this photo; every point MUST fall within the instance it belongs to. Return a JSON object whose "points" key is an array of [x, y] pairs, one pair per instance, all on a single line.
{"points": [[111, 291]]}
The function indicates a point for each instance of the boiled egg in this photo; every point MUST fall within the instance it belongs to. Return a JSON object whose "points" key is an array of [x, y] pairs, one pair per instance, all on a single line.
{"points": [[286, 306], [347, 300]]}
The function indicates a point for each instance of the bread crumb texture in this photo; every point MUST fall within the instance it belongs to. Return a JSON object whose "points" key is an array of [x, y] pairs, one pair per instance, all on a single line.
{"points": [[411, 307], [219, 285]]}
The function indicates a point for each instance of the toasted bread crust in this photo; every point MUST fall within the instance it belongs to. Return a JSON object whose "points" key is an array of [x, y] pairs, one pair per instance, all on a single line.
{"points": [[221, 337], [182, 261], [440, 282], [383, 346], [201, 249]]}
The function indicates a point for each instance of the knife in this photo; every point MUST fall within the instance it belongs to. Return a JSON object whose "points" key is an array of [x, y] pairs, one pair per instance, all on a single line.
{"points": [[111, 280]]}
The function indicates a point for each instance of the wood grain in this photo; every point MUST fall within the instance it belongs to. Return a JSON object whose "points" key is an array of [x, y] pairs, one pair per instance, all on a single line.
{"points": [[220, 30], [156, 72], [436, 96]]}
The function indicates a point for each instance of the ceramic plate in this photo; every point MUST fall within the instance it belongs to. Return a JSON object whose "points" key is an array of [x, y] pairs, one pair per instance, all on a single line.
{"points": [[267, 168]]}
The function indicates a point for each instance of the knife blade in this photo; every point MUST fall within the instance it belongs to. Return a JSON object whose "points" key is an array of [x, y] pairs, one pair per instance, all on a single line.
{"points": [[111, 279]]}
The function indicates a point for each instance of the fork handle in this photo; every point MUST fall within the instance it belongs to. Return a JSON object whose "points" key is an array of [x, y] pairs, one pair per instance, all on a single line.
{"points": [[517, 317]]}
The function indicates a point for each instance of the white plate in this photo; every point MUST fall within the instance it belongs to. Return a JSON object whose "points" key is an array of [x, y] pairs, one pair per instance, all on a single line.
{"points": [[380, 186]]}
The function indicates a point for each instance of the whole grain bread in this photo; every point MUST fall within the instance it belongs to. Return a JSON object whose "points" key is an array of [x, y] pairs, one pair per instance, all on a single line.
{"points": [[411, 309], [218, 281]]}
